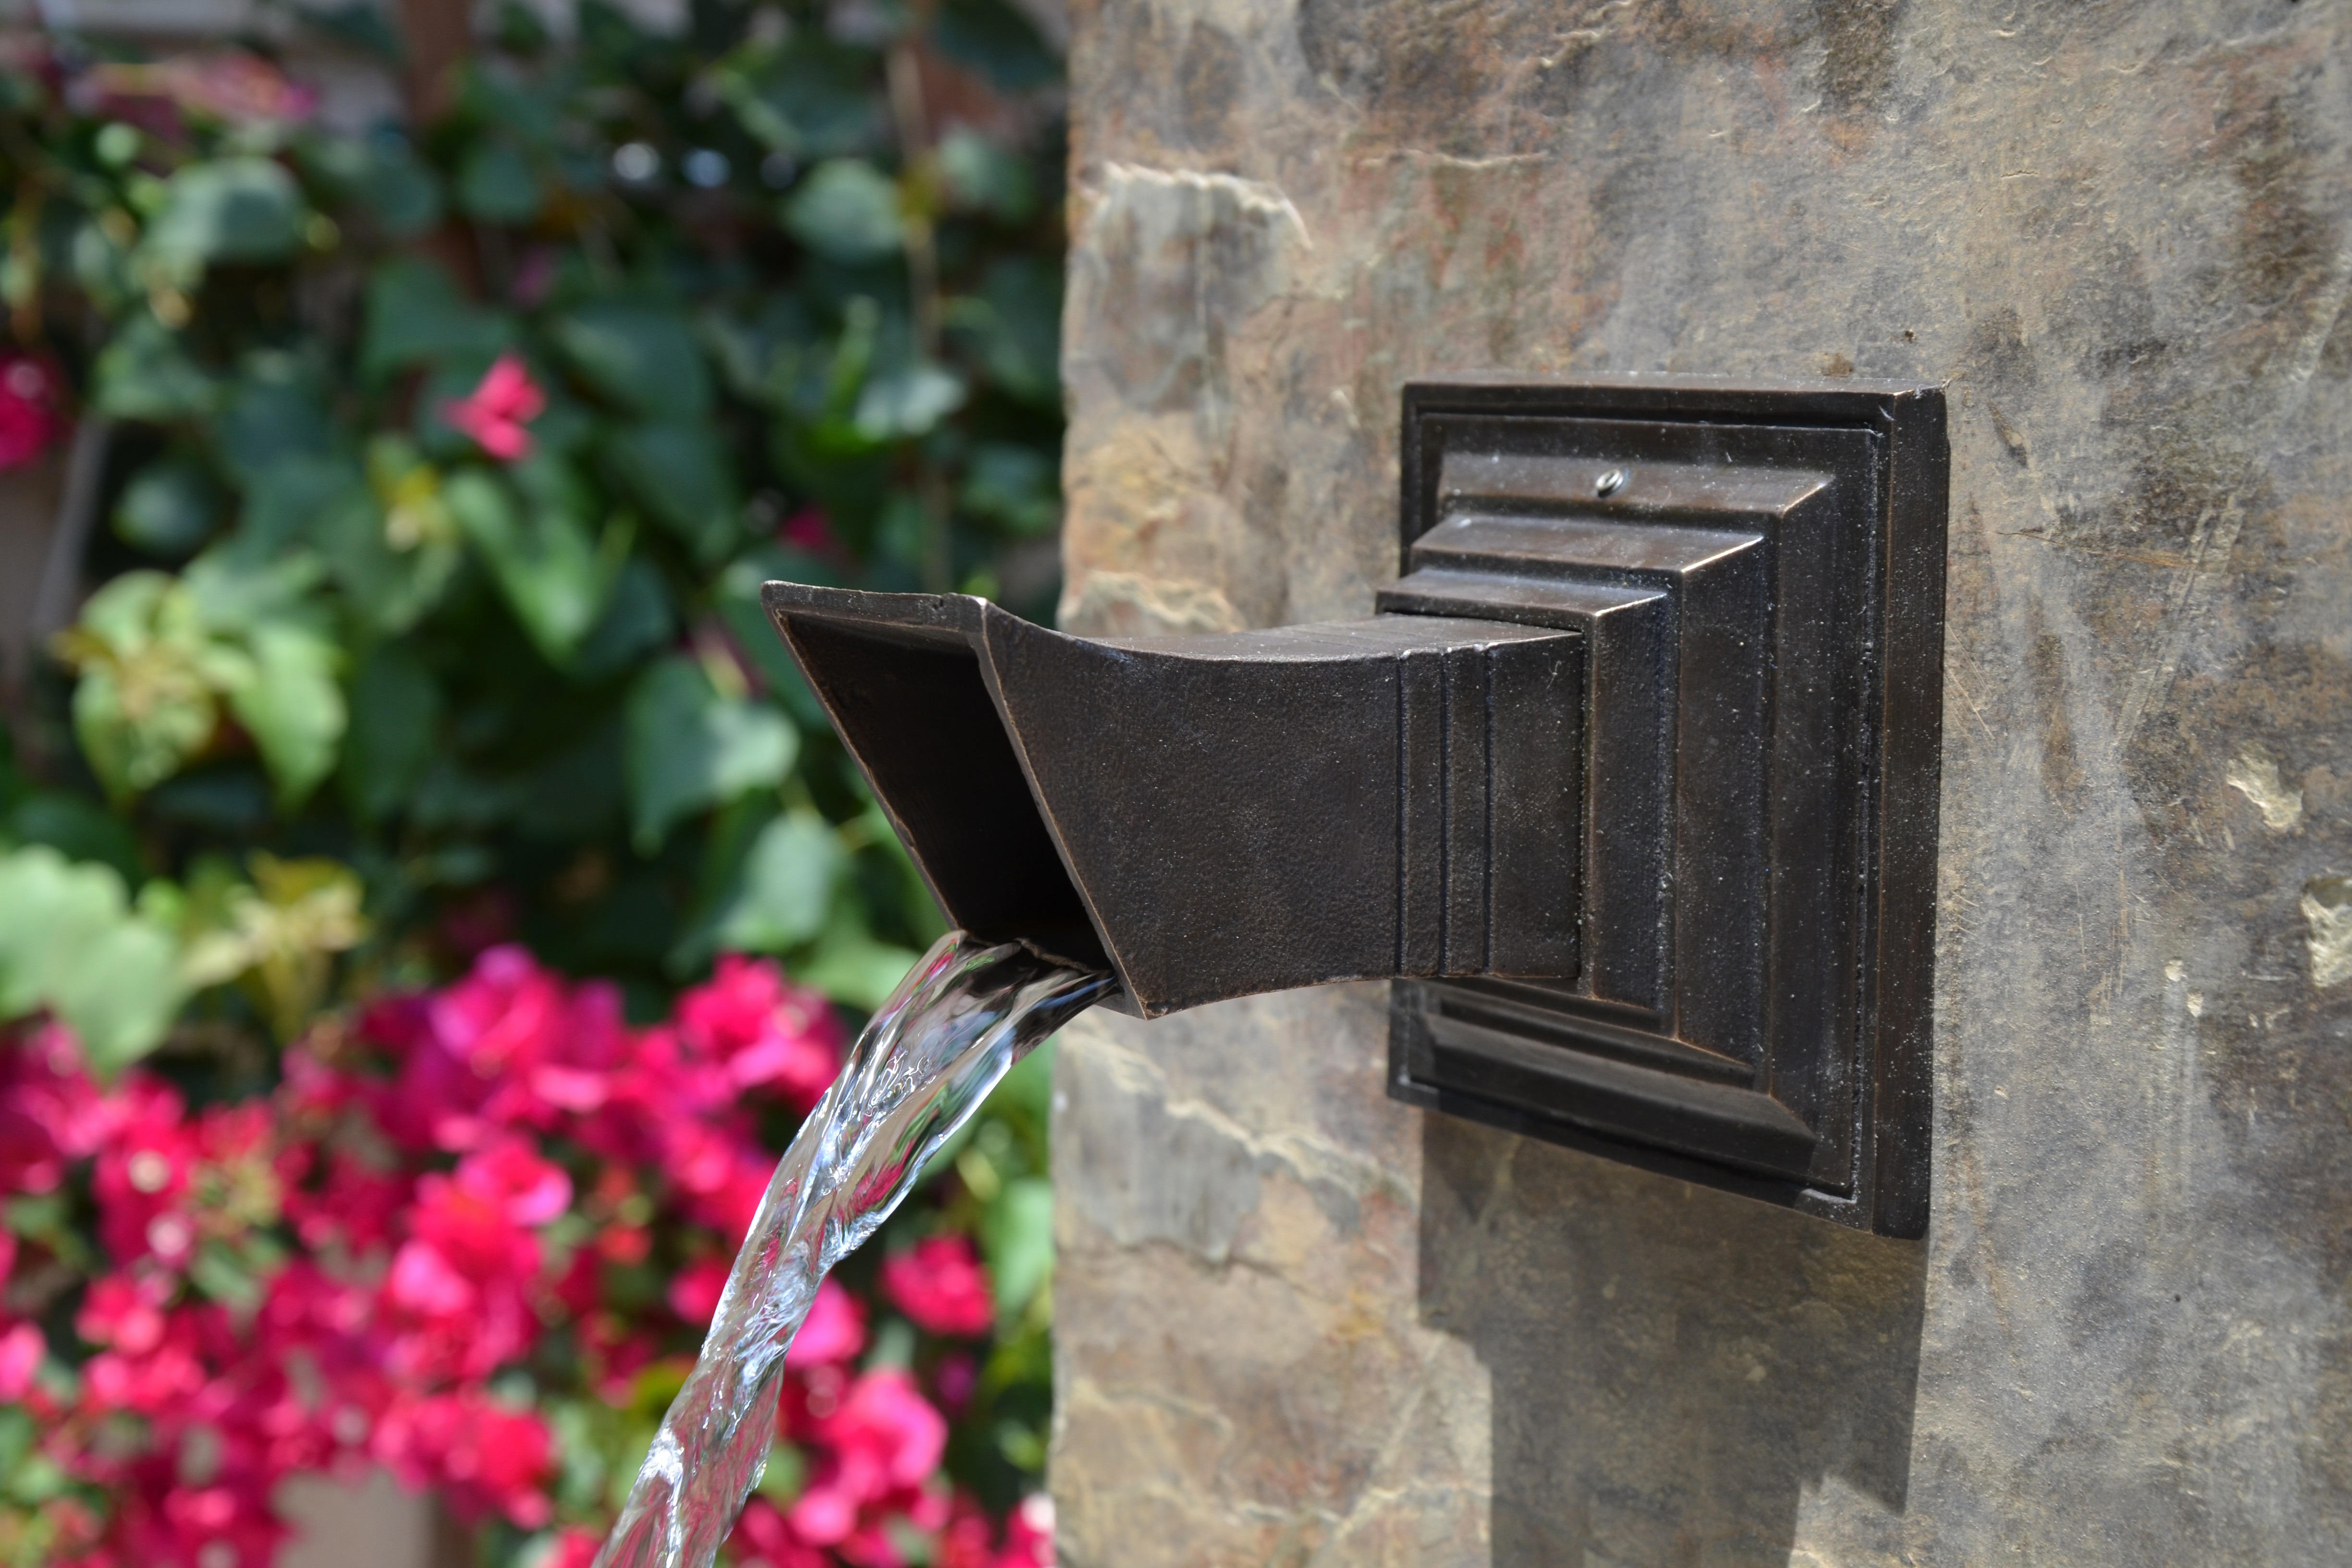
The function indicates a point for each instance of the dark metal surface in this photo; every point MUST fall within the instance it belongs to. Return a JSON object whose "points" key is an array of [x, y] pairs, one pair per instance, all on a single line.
{"points": [[1759, 574], [1632, 785], [1216, 817]]}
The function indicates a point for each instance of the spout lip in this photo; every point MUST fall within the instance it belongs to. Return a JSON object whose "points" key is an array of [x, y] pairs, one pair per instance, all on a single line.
{"points": [[966, 626], [938, 618]]}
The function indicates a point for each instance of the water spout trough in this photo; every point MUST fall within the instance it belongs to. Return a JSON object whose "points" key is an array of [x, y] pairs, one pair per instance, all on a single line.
{"points": [[1629, 785]]}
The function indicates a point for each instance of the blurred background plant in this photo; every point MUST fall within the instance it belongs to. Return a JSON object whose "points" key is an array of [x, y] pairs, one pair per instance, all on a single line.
{"points": [[415, 475]]}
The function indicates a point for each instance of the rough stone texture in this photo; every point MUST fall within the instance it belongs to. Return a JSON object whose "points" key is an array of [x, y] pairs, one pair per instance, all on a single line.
{"points": [[1302, 1325]]}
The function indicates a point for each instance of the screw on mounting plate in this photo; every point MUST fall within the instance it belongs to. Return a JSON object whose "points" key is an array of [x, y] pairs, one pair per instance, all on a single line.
{"points": [[1610, 483]]}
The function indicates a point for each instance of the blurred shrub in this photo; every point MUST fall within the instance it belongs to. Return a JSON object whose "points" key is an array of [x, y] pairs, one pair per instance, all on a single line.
{"points": [[442, 466]]}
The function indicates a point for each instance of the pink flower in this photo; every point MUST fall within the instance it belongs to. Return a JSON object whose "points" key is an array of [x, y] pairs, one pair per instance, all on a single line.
{"points": [[29, 421], [694, 1294], [886, 1440], [51, 1114], [768, 1031], [124, 1313], [938, 1283], [572, 1549], [834, 1331], [1029, 1534], [511, 1177], [21, 1350], [495, 413]]}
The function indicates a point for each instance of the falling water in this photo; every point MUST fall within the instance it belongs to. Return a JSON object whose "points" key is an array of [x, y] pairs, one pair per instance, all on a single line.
{"points": [[960, 1017]]}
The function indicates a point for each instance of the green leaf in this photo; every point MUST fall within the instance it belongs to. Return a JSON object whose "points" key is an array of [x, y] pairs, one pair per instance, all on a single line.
{"points": [[1016, 1238], [804, 98], [643, 357], [285, 499], [852, 968], [1017, 487], [498, 184], [683, 475], [788, 883], [994, 38], [77, 829], [747, 620], [983, 175], [392, 589], [907, 401], [267, 422], [638, 619], [70, 942], [169, 508], [382, 175], [1015, 324], [233, 209], [848, 210], [146, 699], [416, 316], [146, 373], [691, 747], [394, 729], [553, 572], [293, 705]]}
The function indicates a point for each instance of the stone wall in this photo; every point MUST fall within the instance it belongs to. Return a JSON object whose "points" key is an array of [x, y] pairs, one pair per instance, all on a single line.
{"points": [[1300, 1324]]}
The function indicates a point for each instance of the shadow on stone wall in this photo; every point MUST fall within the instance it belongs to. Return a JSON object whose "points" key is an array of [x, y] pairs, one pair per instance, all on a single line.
{"points": [[1673, 1368]]}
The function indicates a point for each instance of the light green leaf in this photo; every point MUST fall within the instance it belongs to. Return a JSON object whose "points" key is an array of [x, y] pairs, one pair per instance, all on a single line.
{"points": [[852, 968], [231, 209], [848, 210], [788, 883], [145, 702], [293, 705], [907, 401], [643, 357], [691, 747], [1016, 1238], [70, 942], [554, 576]]}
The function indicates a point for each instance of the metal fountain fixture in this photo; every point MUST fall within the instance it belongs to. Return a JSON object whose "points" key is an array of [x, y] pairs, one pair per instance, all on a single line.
{"points": [[1630, 784]]}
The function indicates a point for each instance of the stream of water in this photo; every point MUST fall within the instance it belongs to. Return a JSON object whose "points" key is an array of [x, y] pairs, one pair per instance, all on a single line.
{"points": [[958, 1019]]}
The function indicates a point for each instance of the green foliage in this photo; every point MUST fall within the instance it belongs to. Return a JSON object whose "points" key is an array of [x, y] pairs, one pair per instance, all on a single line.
{"points": [[70, 942], [360, 691]]}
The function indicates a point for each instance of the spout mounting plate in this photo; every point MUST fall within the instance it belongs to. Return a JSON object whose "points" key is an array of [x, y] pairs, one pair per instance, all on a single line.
{"points": [[1758, 575]]}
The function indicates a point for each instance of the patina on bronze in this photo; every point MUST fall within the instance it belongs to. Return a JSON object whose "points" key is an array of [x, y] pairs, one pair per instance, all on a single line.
{"points": [[1631, 784]]}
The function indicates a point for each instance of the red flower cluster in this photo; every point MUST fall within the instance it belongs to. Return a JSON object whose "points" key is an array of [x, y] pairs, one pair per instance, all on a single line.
{"points": [[443, 1220]]}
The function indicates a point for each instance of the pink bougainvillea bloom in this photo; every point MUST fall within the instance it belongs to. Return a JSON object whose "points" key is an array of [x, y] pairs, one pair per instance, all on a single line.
{"points": [[938, 1283], [511, 1177], [694, 1293], [496, 413], [21, 1350], [769, 1032], [29, 422], [834, 1331], [52, 1114], [886, 1440], [766, 1540], [1029, 1534]]}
